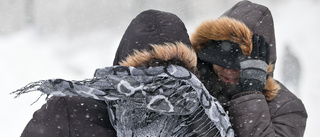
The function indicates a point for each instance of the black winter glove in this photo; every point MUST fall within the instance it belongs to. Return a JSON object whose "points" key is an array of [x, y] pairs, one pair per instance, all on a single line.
{"points": [[253, 75]]}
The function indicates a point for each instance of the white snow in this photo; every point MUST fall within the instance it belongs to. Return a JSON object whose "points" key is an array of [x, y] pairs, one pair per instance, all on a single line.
{"points": [[28, 56]]}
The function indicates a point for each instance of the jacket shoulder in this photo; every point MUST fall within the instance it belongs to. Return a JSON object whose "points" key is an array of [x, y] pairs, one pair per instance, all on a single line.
{"points": [[285, 97], [70, 116]]}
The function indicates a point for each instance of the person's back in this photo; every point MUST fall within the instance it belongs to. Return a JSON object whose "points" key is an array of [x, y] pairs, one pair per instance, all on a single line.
{"points": [[70, 116]]}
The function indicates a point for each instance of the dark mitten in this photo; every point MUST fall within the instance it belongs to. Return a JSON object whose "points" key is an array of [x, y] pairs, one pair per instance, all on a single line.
{"points": [[253, 75]]}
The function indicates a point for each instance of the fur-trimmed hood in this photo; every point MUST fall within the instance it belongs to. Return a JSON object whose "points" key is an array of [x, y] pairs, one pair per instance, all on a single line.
{"points": [[224, 28], [259, 20], [171, 53], [156, 38], [230, 29]]}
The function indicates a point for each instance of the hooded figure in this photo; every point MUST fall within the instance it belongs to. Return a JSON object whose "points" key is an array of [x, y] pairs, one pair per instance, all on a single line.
{"points": [[154, 91], [156, 38], [223, 43]]}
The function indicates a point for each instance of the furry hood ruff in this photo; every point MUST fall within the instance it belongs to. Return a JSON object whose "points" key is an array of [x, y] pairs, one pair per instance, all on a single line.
{"points": [[166, 53], [225, 28]]}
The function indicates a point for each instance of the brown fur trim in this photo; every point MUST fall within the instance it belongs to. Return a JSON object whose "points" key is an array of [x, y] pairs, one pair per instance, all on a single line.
{"points": [[270, 68], [165, 52], [224, 28], [271, 88]]}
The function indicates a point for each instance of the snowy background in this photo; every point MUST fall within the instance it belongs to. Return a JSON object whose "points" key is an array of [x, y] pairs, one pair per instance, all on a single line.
{"points": [[42, 39]]}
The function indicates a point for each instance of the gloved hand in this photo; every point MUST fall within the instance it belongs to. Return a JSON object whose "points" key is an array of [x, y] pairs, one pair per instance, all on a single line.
{"points": [[254, 68]]}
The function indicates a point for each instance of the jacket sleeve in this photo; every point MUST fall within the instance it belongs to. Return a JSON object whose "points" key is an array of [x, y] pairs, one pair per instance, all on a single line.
{"points": [[251, 115], [68, 117]]}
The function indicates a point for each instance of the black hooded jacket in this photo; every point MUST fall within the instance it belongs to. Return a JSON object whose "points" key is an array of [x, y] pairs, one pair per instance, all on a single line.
{"points": [[273, 112], [154, 38]]}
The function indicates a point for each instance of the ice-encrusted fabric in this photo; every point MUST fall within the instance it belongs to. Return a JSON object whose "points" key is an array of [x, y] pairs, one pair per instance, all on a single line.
{"points": [[155, 101]]}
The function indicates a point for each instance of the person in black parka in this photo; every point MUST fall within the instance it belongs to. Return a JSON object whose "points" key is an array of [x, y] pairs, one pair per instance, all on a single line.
{"points": [[151, 90], [242, 41]]}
